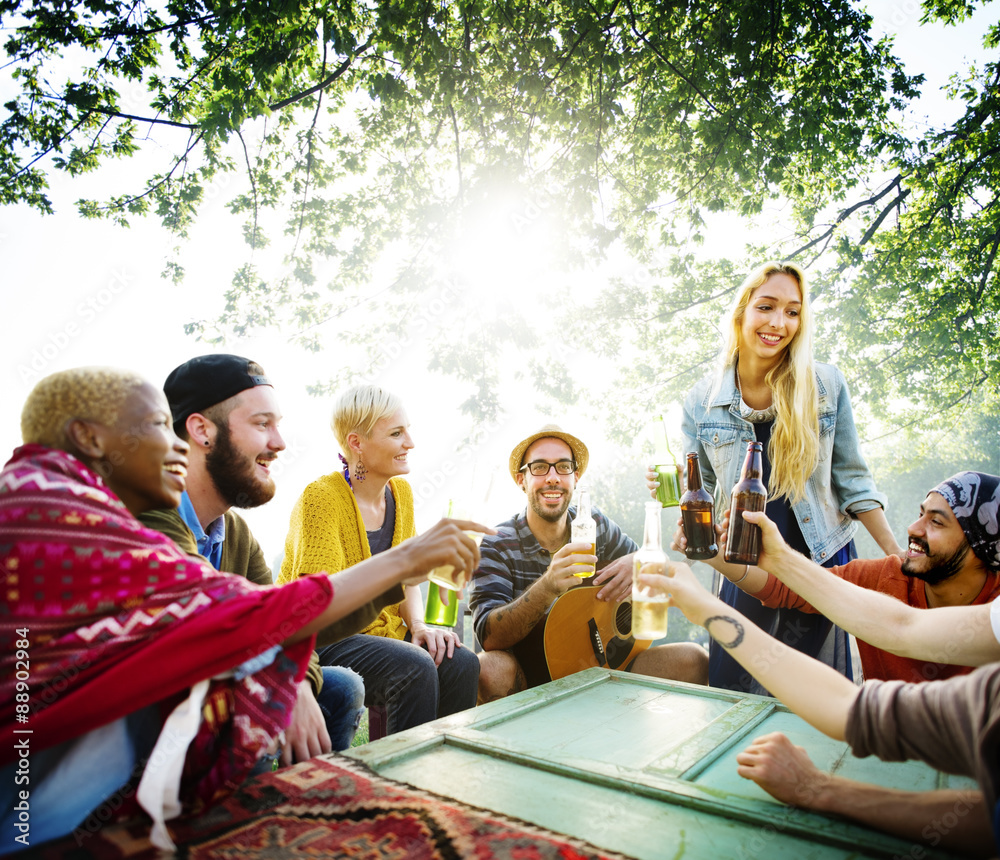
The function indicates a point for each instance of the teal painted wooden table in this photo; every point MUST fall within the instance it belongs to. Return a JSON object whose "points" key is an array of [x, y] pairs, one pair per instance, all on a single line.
{"points": [[643, 767]]}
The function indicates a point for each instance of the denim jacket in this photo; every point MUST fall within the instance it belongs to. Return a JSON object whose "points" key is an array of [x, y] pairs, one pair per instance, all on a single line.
{"points": [[841, 486]]}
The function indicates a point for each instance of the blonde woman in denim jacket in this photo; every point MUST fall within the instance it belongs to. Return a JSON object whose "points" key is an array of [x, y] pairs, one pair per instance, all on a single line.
{"points": [[770, 390]]}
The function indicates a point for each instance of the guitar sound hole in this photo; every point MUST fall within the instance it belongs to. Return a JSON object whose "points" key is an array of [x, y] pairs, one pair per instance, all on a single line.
{"points": [[623, 619]]}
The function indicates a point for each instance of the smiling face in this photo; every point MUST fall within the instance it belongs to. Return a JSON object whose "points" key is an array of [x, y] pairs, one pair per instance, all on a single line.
{"points": [[143, 462], [937, 547], [245, 446], [548, 495], [771, 318], [385, 452]]}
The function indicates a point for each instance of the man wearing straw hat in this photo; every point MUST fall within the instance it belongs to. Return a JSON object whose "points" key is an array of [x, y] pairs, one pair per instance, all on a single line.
{"points": [[530, 563]]}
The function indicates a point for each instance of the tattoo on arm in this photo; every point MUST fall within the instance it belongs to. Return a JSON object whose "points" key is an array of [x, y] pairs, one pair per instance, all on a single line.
{"points": [[737, 638], [508, 615]]}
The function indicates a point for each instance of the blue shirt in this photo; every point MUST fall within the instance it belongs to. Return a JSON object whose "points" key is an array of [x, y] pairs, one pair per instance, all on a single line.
{"points": [[210, 543], [839, 488]]}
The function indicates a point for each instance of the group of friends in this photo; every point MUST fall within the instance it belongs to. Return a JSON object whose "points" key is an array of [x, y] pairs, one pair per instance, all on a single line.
{"points": [[143, 629]]}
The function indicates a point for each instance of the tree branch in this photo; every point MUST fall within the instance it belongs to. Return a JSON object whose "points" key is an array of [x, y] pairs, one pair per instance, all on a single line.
{"points": [[190, 126], [310, 136], [458, 152], [642, 38], [113, 32], [690, 305], [988, 267], [844, 215], [323, 84], [253, 189], [882, 215], [194, 142]]}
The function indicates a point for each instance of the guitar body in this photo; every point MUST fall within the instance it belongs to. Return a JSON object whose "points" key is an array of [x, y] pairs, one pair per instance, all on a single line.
{"points": [[579, 632]]}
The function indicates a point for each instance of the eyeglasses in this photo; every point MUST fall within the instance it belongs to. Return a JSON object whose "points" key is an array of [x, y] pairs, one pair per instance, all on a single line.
{"points": [[540, 468]]}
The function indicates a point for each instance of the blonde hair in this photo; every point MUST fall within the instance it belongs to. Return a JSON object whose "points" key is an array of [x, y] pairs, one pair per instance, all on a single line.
{"points": [[89, 393], [794, 447], [359, 409]]}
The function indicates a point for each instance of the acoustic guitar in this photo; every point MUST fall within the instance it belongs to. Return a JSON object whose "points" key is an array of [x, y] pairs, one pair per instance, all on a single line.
{"points": [[579, 632]]}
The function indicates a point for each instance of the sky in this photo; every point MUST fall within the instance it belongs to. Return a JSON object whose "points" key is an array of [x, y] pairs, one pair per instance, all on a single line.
{"points": [[82, 292]]}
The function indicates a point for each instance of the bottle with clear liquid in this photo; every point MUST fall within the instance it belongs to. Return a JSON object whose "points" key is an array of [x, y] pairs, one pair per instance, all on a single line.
{"points": [[749, 494], [649, 604], [584, 529], [698, 514]]}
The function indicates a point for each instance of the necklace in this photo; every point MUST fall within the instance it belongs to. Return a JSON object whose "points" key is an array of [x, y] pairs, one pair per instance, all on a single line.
{"points": [[754, 416]]}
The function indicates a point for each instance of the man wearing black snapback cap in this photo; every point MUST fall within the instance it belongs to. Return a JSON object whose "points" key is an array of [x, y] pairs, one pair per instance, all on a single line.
{"points": [[225, 407]]}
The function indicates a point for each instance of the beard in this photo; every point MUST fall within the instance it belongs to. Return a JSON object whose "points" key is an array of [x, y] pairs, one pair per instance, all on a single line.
{"points": [[941, 571], [234, 474], [548, 514]]}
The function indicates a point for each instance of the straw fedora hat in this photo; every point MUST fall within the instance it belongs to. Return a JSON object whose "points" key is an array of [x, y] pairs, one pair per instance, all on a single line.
{"points": [[580, 453]]}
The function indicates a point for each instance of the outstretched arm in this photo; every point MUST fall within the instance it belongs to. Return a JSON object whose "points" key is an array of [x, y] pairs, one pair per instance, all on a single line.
{"points": [[959, 635], [814, 691], [944, 818], [407, 564]]}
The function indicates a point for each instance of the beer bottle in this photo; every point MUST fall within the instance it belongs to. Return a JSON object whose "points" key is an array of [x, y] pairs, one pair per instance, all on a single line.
{"points": [[749, 494], [649, 605], [698, 514], [584, 529]]}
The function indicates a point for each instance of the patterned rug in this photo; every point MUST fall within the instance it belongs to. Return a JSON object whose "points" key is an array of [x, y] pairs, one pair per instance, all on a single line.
{"points": [[332, 807]]}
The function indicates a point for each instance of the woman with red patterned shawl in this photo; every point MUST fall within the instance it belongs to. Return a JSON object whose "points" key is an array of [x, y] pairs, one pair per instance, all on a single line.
{"points": [[102, 617]]}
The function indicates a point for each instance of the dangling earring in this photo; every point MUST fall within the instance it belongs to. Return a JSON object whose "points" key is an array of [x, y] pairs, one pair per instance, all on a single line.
{"points": [[360, 472]]}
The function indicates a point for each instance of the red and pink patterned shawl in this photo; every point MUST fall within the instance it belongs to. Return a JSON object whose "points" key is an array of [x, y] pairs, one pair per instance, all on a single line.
{"points": [[117, 618]]}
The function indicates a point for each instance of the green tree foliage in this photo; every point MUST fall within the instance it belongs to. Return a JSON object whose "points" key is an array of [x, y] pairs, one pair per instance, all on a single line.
{"points": [[378, 143]]}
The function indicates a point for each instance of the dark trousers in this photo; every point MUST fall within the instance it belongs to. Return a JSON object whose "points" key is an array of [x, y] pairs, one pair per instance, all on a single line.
{"points": [[402, 678]]}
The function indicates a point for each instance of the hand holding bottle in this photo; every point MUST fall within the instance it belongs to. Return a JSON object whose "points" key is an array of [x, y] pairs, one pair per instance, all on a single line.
{"points": [[698, 515], [749, 494], [450, 576], [562, 573]]}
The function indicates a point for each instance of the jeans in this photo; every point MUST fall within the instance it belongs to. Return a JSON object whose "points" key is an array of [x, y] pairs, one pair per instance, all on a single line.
{"points": [[402, 677], [342, 701], [70, 781]]}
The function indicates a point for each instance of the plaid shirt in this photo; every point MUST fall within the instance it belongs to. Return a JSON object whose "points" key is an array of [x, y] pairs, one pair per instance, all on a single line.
{"points": [[512, 560]]}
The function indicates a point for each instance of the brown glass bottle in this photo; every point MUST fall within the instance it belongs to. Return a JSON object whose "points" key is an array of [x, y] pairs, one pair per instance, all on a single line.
{"points": [[750, 494], [698, 514]]}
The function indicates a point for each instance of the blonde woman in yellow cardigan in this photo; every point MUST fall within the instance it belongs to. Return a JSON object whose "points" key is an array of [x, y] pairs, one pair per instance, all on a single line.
{"points": [[416, 672]]}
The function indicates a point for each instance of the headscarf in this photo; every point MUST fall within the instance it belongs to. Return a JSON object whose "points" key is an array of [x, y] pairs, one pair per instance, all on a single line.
{"points": [[974, 498]]}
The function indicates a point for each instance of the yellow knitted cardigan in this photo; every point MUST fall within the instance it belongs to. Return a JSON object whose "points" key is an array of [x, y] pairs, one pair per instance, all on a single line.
{"points": [[326, 533]]}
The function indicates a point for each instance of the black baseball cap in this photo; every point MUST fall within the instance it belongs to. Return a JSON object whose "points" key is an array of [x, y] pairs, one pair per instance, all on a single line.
{"points": [[206, 380]]}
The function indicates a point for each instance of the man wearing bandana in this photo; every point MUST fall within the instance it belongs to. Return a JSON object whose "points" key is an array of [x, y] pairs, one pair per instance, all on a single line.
{"points": [[952, 560]]}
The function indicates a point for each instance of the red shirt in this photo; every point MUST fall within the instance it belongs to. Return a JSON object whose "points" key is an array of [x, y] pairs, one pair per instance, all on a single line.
{"points": [[884, 575]]}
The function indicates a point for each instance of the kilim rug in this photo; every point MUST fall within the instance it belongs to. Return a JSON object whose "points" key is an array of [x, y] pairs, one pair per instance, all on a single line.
{"points": [[332, 807]]}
